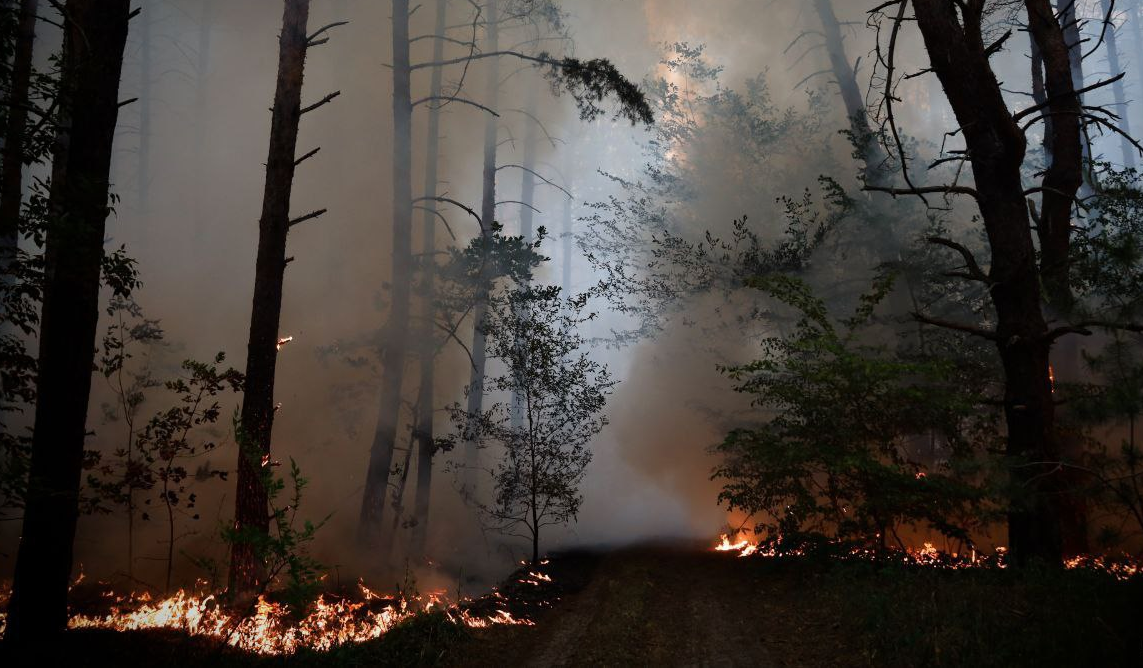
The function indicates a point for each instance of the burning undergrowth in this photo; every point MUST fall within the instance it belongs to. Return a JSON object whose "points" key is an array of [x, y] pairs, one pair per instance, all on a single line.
{"points": [[1121, 567], [335, 619]]}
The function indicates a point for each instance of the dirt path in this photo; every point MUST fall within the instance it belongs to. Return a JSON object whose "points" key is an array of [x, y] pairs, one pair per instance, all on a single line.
{"points": [[660, 605]]}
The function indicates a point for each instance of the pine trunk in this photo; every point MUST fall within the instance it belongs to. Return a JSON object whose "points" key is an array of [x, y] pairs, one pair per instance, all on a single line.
{"points": [[88, 105], [423, 429], [1111, 37], [395, 345], [487, 220], [251, 512], [876, 172]]}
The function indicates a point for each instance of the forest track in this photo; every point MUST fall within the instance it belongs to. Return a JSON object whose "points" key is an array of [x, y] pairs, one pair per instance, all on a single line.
{"points": [[661, 605]]}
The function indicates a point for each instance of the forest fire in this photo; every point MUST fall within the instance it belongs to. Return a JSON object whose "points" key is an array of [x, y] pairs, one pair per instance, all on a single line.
{"points": [[273, 628], [1121, 568]]}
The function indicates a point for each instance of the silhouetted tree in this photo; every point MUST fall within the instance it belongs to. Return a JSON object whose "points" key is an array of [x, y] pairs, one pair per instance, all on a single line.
{"points": [[95, 33]]}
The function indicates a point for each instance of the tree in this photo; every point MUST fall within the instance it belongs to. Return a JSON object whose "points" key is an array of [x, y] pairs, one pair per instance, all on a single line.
{"points": [[94, 38], [959, 47], [833, 454], [251, 513], [534, 331], [588, 82]]}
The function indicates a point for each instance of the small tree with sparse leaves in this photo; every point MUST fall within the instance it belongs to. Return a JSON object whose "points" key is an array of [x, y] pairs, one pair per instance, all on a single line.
{"points": [[561, 394]]}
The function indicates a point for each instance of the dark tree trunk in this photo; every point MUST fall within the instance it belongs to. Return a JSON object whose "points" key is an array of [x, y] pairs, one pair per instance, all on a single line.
{"points": [[876, 170], [251, 511], [487, 219], [15, 135], [996, 147], [1117, 89], [94, 38], [1065, 171], [423, 428], [395, 345]]}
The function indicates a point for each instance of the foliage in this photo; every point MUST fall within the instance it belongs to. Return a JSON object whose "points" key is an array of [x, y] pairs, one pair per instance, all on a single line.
{"points": [[837, 452], [561, 396], [282, 551], [592, 81], [155, 460]]}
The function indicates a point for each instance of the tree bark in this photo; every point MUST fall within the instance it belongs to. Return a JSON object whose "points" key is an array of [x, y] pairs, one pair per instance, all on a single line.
{"points": [[487, 220], [15, 135], [876, 171], [94, 38], [423, 429], [251, 511], [395, 345], [996, 147]]}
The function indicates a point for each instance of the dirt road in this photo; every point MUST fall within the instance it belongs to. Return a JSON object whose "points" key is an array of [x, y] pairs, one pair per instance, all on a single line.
{"points": [[666, 605]]}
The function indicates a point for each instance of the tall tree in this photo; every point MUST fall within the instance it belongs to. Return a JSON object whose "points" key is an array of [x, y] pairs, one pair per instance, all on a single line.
{"points": [[95, 34], [427, 349], [1111, 38], [395, 343], [251, 511], [954, 36], [12, 156], [845, 74]]}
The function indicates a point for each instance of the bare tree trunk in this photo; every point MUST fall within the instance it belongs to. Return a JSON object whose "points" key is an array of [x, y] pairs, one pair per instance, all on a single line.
{"points": [[876, 170], [1112, 38], [395, 345], [12, 156], [487, 219], [94, 38], [251, 511], [423, 429], [527, 209], [996, 148]]}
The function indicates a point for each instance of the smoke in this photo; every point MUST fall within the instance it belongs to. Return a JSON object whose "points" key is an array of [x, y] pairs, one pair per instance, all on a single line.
{"points": [[195, 242]]}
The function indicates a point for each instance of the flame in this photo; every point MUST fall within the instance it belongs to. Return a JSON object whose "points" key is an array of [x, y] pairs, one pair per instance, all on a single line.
{"points": [[283, 341], [271, 628], [1121, 568]]}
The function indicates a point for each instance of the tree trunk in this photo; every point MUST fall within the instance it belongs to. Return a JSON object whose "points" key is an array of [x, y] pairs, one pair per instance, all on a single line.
{"points": [[996, 147], [876, 170], [94, 38], [527, 209], [1117, 89], [1134, 16], [251, 512], [1074, 43], [487, 220], [396, 333], [12, 157], [423, 429]]}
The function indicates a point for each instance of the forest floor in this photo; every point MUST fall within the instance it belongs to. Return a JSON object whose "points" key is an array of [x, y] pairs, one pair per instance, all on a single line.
{"points": [[685, 605]]}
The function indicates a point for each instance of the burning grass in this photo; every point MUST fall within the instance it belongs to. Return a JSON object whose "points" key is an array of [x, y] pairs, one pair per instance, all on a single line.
{"points": [[1121, 567], [330, 624]]}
